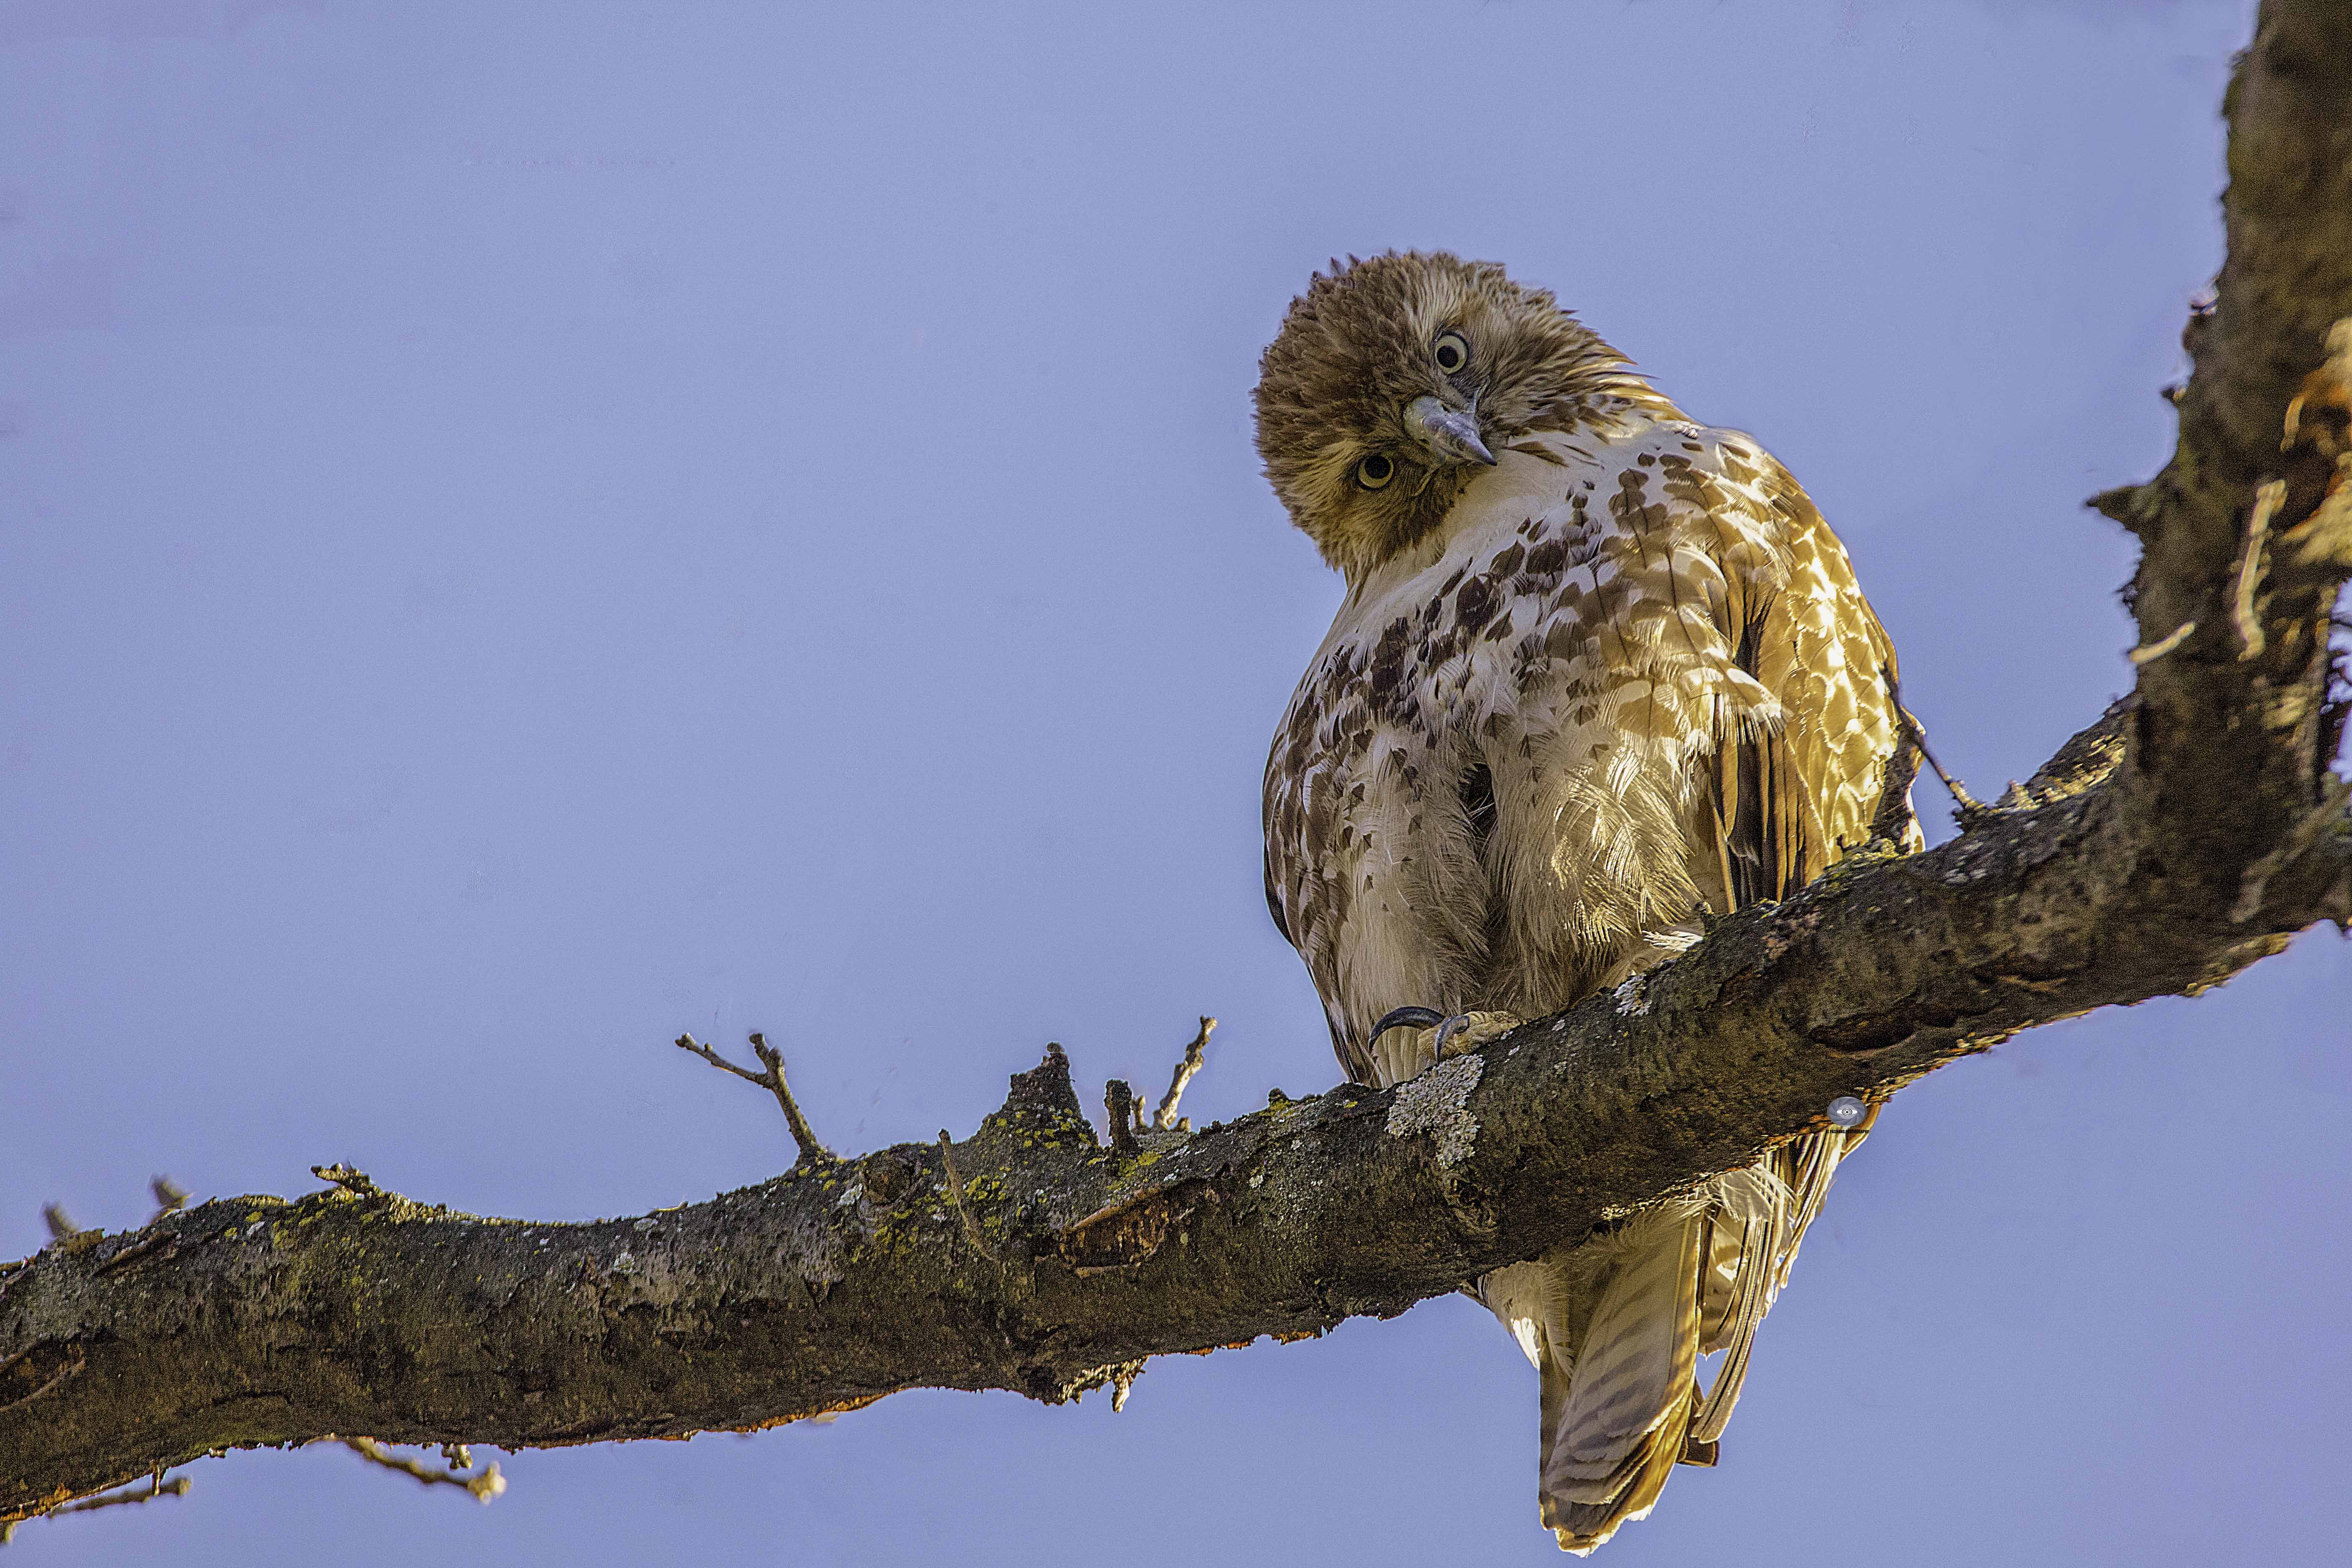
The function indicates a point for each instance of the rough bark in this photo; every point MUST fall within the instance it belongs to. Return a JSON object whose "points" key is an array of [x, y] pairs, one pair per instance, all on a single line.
{"points": [[2188, 833]]}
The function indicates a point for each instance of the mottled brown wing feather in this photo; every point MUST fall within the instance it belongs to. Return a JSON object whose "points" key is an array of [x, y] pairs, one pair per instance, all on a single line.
{"points": [[1309, 904], [1783, 803], [1274, 897], [1789, 799]]}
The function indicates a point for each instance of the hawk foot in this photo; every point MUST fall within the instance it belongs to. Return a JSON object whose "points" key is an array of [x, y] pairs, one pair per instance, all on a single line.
{"points": [[1409, 1041]]}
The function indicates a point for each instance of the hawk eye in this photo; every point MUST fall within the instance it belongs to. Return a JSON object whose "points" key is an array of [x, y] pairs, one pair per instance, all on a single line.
{"points": [[1452, 352], [1375, 471]]}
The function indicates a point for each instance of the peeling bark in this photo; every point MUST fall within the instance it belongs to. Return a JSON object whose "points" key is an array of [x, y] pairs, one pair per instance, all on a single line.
{"points": [[2188, 832]]}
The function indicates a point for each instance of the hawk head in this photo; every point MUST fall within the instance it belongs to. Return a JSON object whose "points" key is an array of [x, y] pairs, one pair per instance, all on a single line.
{"points": [[1395, 379]]}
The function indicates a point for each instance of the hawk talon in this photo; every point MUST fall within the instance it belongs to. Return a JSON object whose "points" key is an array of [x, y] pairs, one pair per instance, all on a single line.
{"points": [[1446, 1029], [1401, 1017]]}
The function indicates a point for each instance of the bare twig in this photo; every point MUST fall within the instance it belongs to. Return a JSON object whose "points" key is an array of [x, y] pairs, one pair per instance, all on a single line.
{"points": [[812, 1153], [156, 1486], [688, 1043], [2150, 652], [2243, 619], [1968, 809], [484, 1484], [1164, 1118], [971, 1232]]}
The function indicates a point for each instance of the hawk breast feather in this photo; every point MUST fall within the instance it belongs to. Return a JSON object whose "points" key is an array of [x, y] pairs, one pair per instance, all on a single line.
{"points": [[1630, 678]]}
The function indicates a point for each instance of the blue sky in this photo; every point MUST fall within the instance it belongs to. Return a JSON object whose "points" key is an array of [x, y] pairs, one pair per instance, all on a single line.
{"points": [[527, 529]]}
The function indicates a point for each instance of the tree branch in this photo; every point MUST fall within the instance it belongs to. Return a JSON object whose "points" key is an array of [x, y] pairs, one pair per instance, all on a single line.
{"points": [[2188, 832]]}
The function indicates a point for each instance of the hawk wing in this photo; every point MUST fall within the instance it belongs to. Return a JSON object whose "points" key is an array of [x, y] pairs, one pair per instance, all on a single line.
{"points": [[1308, 894], [1785, 800], [1792, 780]]}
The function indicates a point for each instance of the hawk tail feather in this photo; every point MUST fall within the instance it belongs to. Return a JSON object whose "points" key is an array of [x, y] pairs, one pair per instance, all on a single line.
{"points": [[1621, 1381], [1617, 1324]]}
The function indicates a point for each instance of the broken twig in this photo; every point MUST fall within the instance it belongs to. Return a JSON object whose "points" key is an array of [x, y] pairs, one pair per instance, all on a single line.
{"points": [[484, 1484], [1164, 1118]]}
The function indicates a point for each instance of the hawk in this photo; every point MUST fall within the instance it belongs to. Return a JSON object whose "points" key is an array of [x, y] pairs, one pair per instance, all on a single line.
{"points": [[1602, 674]]}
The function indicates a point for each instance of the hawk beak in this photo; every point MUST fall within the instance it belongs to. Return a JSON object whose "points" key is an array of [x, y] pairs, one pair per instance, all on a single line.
{"points": [[1451, 436]]}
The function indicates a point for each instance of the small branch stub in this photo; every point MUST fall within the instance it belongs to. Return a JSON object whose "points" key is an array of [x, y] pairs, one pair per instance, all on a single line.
{"points": [[357, 1183], [1122, 1384], [1125, 1112]]}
